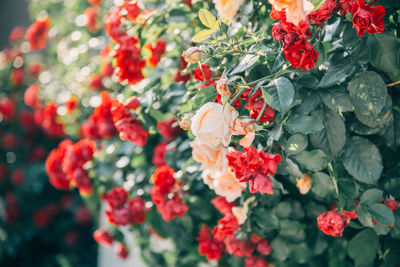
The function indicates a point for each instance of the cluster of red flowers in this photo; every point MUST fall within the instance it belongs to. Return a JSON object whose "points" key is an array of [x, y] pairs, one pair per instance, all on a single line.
{"points": [[156, 52], [223, 238], [333, 223], [43, 216], [254, 166], [37, 34], [166, 194], [365, 17], [64, 165], [128, 60], [255, 104], [100, 123], [91, 14], [297, 50], [128, 126], [17, 77], [124, 211], [7, 109], [178, 77], [45, 116]]}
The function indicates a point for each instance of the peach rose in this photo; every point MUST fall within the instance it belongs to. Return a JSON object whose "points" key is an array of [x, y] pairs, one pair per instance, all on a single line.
{"points": [[304, 184], [210, 158], [212, 124], [227, 9], [240, 213], [245, 127], [296, 10], [226, 185]]}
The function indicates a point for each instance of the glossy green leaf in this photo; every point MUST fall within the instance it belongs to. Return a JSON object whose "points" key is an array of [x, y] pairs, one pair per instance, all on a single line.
{"points": [[304, 124]]}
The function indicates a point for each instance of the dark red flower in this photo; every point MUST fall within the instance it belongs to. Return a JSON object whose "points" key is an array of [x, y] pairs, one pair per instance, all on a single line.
{"points": [[301, 54], [37, 34], [156, 52], [132, 10], [35, 69], [117, 197], [239, 248], [225, 228], [159, 154], [17, 177], [103, 237], [322, 14], [203, 73], [138, 210], [17, 77], [331, 223], [16, 34], [7, 109], [263, 247], [121, 251], [254, 261], [169, 129], [82, 215], [128, 61], [91, 18], [366, 18], [222, 205], [208, 246]]}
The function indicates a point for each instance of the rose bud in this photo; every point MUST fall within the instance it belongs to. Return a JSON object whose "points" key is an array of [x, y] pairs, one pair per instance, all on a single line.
{"points": [[222, 87], [186, 122], [192, 55]]}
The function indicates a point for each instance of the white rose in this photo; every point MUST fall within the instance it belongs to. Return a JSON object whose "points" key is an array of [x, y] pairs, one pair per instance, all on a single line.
{"points": [[212, 124], [209, 157], [227, 9]]}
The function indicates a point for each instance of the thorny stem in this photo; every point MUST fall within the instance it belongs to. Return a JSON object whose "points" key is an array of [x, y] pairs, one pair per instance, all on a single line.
{"points": [[331, 174]]}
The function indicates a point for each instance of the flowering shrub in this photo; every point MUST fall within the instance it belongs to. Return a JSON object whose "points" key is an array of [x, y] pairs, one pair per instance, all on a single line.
{"points": [[252, 133]]}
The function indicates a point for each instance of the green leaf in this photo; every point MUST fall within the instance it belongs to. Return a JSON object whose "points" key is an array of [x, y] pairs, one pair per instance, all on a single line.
{"points": [[337, 99], [317, 3], [201, 35], [332, 138], [368, 94], [207, 18], [384, 53], [205, 95], [362, 160], [381, 214], [282, 93], [296, 143], [363, 216], [371, 196], [304, 124], [245, 63], [292, 168], [315, 160], [363, 247], [346, 188], [266, 219], [281, 249], [321, 185], [339, 69]]}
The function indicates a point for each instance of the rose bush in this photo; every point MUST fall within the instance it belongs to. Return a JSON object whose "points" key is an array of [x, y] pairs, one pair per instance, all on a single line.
{"points": [[250, 133]]}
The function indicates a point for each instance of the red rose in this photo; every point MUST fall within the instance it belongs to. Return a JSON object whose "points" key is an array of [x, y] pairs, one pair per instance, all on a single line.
{"points": [[322, 14], [209, 247], [331, 223], [263, 247], [36, 34], [203, 73], [121, 251], [226, 227], [163, 179], [222, 205], [138, 210], [131, 129], [301, 54], [255, 262], [17, 177], [103, 237], [367, 18], [169, 129], [7, 109], [159, 154], [117, 197], [239, 248]]}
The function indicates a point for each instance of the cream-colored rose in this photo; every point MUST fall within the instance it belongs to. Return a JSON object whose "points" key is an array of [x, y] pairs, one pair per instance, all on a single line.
{"points": [[208, 178], [212, 124], [240, 213], [296, 10], [226, 185], [209, 157], [227, 9], [304, 184], [245, 127]]}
